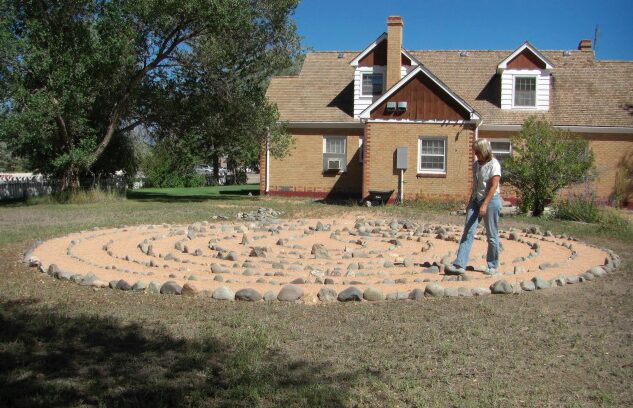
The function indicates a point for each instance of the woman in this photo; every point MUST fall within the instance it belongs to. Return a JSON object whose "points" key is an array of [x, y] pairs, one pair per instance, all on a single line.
{"points": [[484, 204]]}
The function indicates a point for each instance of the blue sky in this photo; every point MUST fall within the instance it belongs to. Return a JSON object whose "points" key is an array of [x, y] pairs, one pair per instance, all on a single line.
{"points": [[330, 25]]}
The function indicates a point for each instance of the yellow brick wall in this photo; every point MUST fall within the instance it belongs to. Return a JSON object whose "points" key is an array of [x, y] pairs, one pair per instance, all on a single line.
{"points": [[382, 140], [613, 155], [302, 170]]}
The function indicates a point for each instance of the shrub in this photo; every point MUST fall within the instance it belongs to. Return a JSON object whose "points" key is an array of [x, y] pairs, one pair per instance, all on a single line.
{"points": [[87, 196], [545, 159], [577, 208]]}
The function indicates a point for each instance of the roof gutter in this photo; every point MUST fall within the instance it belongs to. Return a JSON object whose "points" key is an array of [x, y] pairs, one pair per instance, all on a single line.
{"points": [[575, 129], [317, 125]]}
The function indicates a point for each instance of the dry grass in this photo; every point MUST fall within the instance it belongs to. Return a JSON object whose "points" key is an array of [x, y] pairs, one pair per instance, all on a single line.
{"points": [[66, 345]]}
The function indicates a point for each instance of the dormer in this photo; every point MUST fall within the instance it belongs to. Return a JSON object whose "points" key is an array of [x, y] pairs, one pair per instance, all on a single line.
{"points": [[525, 80], [378, 69]]}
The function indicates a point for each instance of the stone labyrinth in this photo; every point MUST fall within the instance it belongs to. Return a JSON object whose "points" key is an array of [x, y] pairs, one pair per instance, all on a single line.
{"points": [[262, 257]]}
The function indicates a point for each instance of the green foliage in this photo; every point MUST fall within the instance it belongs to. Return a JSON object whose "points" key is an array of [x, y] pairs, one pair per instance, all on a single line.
{"points": [[170, 165], [545, 160], [9, 162], [76, 76], [577, 207]]}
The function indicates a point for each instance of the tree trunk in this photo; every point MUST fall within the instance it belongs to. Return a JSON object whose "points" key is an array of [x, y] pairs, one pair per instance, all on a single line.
{"points": [[539, 207], [70, 179]]}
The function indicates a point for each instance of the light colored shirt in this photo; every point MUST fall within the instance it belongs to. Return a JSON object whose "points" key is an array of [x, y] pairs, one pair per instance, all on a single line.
{"points": [[482, 175]]}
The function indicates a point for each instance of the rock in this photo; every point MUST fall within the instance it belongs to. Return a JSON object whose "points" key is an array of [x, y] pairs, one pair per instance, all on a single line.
{"points": [[218, 278], [169, 257], [373, 295], [434, 290], [416, 294], [451, 292], [501, 287], [223, 293], [258, 252], [513, 236], [327, 295], [328, 281], [597, 271], [464, 292], [216, 268], [519, 269], [153, 287], [559, 281], [170, 288], [232, 256], [189, 289], [53, 270], [299, 281], [388, 264], [139, 286], [290, 293], [89, 279], [528, 286], [250, 295], [123, 285], [588, 276], [350, 294], [270, 296], [572, 279], [480, 291], [397, 296], [540, 283]]}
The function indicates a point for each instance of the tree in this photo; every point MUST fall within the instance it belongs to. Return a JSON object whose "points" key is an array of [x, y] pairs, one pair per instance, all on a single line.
{"points": [[75, 74], [545, 159]]}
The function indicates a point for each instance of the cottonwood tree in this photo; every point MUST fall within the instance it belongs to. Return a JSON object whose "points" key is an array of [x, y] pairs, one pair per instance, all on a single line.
{"points": [[545, 159], [75, 74]]}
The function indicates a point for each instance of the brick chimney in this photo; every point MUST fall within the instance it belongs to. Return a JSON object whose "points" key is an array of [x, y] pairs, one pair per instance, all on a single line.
{"points": [[584, 45], [394, 46]]}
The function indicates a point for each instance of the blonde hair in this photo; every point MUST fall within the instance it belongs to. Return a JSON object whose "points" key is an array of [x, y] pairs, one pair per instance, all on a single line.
{"points": [[482, 146]]}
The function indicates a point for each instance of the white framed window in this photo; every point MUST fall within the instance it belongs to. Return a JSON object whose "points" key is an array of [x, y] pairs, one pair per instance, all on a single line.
{"points": [[334, 144], [501, 149], [524, 91], [334, 153], [371, 84], [432, 155]]}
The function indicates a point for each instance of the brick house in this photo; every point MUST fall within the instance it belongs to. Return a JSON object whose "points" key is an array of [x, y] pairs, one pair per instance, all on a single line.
{"points": [[388, 119]]}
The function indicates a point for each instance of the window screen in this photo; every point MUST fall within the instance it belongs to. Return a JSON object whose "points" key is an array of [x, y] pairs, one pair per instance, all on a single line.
{"points": [[501, 149], [335, 145]]}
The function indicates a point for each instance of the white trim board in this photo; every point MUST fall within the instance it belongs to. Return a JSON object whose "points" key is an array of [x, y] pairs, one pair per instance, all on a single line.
{"points": [[575, 129]]}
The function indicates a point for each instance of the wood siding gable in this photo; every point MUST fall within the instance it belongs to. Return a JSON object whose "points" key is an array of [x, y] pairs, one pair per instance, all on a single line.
{"points": [[425, 101], [526, 60]]}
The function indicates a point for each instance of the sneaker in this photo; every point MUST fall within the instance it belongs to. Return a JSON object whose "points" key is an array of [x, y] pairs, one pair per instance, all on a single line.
{"points": [[490, 271], [452, 269]]}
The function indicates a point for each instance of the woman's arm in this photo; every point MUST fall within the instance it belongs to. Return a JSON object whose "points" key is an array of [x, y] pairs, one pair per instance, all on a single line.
{"points": [[492, 189]]}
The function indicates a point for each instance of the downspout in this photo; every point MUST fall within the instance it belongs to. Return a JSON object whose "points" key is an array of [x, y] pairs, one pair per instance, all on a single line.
{"points": [[267, 171]]}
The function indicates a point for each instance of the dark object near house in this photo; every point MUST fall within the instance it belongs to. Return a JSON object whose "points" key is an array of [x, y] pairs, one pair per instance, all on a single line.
{"points": [[380, 196]]}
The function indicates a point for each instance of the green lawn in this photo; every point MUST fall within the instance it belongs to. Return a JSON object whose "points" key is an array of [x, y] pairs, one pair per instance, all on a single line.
{"points": [[62, 344], [194, 193]]}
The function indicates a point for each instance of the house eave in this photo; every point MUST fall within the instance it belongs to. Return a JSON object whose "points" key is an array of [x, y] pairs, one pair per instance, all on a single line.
{"points": [[575, 129]]}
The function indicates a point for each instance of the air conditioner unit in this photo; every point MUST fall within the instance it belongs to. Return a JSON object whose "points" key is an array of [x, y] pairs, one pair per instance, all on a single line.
{"points": [[391, 106], [402, 106], [334, 164]]}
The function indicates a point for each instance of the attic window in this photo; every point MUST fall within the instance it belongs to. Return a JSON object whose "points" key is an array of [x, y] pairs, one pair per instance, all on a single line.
{"points": [[525, 91], [372, 85]]}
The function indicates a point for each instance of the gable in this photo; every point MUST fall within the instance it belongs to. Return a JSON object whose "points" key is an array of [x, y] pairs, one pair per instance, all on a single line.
{"points": [[426, 100], [526, 60], [378, 56]]}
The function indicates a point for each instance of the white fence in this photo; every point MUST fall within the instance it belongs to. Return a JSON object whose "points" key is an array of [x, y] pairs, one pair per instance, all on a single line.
{"points": [[22, 187]]}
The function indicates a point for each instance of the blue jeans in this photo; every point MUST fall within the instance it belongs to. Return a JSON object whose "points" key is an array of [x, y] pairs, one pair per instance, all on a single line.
{"points": [[491, 222]]}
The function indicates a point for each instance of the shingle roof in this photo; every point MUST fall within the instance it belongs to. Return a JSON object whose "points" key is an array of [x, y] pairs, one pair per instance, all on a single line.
{"points": [[584, 92]]}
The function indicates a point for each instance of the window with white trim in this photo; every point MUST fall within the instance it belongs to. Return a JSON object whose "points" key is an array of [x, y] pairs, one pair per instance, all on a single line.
{"points": [[501, 149], [334, 153], [524, 91], [432, 155], [371, 84]]}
